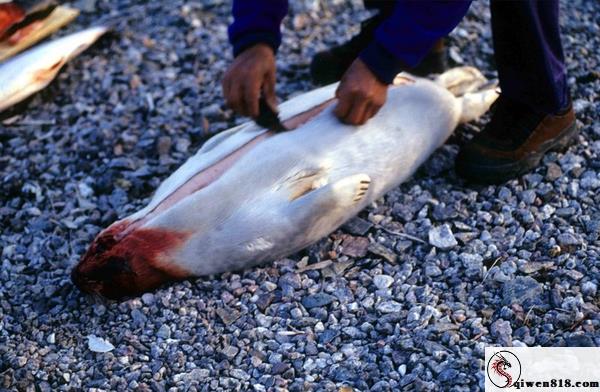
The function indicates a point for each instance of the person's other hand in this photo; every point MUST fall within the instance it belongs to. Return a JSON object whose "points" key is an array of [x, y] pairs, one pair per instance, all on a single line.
{"points": [[252, 70], [360, 94]]}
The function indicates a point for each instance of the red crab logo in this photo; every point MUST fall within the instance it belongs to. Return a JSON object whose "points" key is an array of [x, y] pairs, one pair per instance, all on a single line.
{"points": [[504, 369]]}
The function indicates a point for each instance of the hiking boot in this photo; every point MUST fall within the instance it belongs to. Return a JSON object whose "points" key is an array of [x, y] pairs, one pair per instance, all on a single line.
{"points": [[514, 142], [328, 66]]}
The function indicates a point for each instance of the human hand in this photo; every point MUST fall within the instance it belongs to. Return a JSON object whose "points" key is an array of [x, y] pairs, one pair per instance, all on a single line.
{"points": [[251, 72], [360, 94]]}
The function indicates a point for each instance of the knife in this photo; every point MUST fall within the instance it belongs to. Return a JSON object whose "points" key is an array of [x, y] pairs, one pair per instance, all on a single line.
{"points": [[267, 117]]}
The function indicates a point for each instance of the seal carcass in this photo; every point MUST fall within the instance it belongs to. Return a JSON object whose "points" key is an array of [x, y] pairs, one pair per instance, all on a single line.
{"points": [[251, 195]]}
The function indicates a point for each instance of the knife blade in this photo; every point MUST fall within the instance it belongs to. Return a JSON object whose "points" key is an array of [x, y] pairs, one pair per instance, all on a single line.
{"points": [[267, 117]]}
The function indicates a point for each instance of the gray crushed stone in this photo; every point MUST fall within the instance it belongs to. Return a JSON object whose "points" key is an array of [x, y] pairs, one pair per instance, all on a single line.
{"points": [[521, 268]]}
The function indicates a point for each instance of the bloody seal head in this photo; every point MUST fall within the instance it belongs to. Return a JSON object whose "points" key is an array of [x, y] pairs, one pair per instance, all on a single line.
{"points": [[124, 262]]}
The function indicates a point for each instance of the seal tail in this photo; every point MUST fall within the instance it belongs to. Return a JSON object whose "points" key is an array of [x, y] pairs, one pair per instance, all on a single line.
{"points": [[475, 94], [462, 80], [474, 105]]}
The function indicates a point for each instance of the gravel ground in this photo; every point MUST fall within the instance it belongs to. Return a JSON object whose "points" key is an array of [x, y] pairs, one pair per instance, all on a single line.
{"points": [[368, 308]]}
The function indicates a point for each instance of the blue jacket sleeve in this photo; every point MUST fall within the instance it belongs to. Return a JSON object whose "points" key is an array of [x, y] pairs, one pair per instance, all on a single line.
{"points": [[403, 39], [256, 21]]}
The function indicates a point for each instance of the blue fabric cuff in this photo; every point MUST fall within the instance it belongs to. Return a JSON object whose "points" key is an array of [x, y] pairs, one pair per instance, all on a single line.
{"points": [[250, 39], [384, 65]]}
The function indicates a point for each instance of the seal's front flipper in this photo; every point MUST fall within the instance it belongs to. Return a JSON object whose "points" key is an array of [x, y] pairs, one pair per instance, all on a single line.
{"points": [[343, 193], [330, 204]]}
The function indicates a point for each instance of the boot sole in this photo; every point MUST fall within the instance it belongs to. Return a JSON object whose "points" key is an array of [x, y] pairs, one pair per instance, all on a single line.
{"points": [[502, 173]]}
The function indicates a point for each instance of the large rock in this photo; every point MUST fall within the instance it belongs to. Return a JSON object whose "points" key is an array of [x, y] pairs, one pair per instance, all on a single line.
{"points": [[442, 238], [524, 291], [317, 300]]}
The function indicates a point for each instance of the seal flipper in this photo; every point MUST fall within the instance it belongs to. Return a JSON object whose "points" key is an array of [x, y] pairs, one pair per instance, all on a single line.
{"points": [[304, 181], [474, 105], [330, 204], [461, 80]]}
